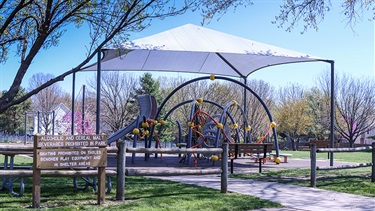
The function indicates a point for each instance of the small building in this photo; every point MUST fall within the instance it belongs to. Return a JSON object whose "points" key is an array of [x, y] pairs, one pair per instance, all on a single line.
{"points": [[365, 137], [50, 122]]}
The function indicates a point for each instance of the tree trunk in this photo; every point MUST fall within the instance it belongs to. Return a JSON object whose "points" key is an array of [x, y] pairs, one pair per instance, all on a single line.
{"points": [[291, 142], [351, 143]]}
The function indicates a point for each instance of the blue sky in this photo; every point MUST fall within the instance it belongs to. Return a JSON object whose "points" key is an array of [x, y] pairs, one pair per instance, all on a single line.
{"points": [[353, 51]]}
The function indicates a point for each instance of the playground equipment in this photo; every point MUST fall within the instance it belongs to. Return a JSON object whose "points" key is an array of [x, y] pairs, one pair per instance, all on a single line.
{"points": [[213, 77], [148, 108], [204, 130], [210, 131]]}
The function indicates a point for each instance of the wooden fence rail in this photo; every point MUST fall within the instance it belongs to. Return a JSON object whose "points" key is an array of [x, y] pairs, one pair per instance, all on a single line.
{"points": [[174, 150], [27, 149], [357, 149], [314, 168], [53, 173], [175, 172], [345, 166], [11, 150], [121, 161]]}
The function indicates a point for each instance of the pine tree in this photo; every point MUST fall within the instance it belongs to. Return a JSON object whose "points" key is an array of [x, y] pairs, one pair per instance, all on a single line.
{"points": [[152, 87], [12, 120], [149, 86]]}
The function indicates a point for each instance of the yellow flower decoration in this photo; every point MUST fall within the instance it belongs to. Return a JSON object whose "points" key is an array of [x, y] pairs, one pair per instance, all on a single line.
{"points": [[273, 124]]}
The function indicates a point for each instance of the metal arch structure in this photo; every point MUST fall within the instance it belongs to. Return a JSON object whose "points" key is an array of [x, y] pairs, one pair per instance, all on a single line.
{"points": [[179, 124], [225, 110], [231, 80], [205, 101]]}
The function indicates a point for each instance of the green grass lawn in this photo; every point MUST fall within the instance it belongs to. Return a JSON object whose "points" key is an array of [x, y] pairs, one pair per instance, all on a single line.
{"points": [[356, 157], [140, 193], [18, 160], [153, 194], [355, 181]]}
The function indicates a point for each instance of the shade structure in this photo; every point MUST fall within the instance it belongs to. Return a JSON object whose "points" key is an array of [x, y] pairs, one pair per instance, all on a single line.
{"points": [[195, 49]]}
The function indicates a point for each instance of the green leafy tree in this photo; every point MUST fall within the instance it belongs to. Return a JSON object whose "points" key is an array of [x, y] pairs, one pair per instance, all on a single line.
{"points": [[319, 109], [12, 121], [149, 86], [292, 113]]}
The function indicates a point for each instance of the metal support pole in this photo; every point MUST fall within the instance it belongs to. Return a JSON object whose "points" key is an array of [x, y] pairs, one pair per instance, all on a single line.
{"points": [[38, 122], [83, 109], [53, 122], [332, 110], [73, 99], [25, 128], [98, 78], [373, 163], [277, 147], [245, 110]]}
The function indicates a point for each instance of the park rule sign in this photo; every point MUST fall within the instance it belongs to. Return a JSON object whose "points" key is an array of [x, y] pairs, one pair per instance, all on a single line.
{"points": [[70, 151]]}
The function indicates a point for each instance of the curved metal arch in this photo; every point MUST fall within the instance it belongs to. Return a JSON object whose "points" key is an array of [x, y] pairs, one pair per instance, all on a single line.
{"points": [[225, 110], [190, 131], [231, 80], [205, 101]]}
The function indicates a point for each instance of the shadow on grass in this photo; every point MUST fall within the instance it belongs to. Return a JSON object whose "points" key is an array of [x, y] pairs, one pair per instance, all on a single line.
{"points": [[352, 182], [140, 194]]}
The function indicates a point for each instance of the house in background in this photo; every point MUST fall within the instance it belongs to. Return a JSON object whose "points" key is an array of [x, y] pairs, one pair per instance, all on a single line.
{"points": [[53, 121], [61, 126], [365, 138]]}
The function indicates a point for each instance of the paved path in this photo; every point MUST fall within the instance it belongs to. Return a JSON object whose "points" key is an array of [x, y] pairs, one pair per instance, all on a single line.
{"points": [[291, 196]]}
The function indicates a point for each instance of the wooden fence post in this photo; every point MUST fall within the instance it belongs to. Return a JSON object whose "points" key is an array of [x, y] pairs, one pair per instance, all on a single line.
{"points": [[313, 165], [101, 183], [373, 163], [36, 175], [121, 158], [224, 168]]}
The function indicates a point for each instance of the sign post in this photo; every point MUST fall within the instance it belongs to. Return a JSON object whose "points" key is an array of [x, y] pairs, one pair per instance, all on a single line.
{"points": [[69, 151]]}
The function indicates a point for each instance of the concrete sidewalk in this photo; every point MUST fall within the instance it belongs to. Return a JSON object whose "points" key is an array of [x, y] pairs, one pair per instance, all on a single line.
{"points": [[291, 196]]}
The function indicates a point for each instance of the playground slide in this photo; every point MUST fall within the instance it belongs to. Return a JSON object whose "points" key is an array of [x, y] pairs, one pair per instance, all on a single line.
{"points": [[148, 108], [122, 132]]}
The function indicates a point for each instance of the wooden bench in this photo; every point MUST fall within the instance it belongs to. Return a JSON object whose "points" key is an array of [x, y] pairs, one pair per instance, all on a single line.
{"points": [[285, 156], [258, 150]]}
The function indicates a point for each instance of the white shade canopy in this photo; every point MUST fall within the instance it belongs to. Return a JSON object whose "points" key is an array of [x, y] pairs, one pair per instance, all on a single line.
{"points": [[195, 49]]}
